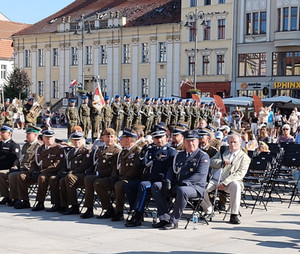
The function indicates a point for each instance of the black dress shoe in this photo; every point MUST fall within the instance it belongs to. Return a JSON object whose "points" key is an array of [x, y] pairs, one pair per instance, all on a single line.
{"points": [[38, 207], [108, 214], [160, 224], [12, 202], [135, 221], [118, 216], [54, 208], [234, 219], [22, 204], [169, 226], [5, 201], [89, 213], [72, 210]]}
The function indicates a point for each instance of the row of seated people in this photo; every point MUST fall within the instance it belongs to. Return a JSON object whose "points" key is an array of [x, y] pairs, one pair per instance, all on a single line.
{"points": [[128, 170]]}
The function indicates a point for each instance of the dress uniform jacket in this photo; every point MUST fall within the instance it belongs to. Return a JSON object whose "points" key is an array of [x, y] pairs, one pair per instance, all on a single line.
{"points": [[178, 147], [28, 153], [157, 161], [9, 154], [128, 164], [210, 150], [47, 160], [75, 160], [191, 170]]}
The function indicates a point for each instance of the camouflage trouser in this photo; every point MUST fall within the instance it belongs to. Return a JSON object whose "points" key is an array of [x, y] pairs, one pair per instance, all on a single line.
{"points": [[71, 124], [106, 124], [128, 122], [85, 124], [96, 121]]}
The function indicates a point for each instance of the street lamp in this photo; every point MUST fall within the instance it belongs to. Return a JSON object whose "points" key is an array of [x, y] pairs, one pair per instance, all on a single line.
{"points": [[82, 20], [192, 22]]}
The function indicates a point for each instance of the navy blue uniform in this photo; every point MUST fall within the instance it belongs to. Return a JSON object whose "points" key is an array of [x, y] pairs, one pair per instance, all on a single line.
{"points": [[158, 161], [188, 177], [9, 154]]}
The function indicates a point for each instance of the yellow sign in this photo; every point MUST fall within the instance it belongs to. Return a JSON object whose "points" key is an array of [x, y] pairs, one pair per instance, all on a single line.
{"points": [[287, 85]]}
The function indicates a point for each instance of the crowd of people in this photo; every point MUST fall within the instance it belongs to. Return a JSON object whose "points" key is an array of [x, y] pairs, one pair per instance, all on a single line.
{"points": [[139, 151]]}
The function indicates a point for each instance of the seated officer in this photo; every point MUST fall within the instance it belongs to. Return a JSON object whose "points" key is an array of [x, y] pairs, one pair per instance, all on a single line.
{"points": [[28, 152], [104, 160], [204, 137], [126, 172], [158, 160], [188, 177], [177, 138], [9, 158], [71, 174], [46, 164]]}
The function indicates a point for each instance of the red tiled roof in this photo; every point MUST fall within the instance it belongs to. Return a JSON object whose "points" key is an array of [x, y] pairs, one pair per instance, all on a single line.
{"points": [[7, 28], [137, 12], [6, 50]]}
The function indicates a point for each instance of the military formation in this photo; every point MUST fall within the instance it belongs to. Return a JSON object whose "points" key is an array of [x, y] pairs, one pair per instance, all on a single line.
{"points": [[125, 113]]}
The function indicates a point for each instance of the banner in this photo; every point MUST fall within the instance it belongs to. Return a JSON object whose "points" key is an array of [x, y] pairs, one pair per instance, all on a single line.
{"points": [[257, 103], [219, 103], [98, 97], [196, 97], [73, 83]]}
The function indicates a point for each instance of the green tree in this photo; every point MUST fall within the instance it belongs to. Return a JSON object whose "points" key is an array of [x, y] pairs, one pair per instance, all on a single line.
{"points": [[17, 84]]}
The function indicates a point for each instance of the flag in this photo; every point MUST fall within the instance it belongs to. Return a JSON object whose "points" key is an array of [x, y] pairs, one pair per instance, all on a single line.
{"points": [[185, 82], [73, 83], [196, 97], [257, 103], [219, 103], [98, 97]]}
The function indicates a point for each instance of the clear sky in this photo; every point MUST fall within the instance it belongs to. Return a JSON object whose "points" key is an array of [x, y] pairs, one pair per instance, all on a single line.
{"points": [[31, 11]]}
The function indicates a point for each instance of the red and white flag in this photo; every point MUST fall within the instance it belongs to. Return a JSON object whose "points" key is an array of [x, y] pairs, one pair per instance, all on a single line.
{"points": [[73, 83], [98, 97]]}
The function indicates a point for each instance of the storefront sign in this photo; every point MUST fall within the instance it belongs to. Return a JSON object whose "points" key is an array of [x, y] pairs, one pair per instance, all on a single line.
{"points": [[287, 85]]}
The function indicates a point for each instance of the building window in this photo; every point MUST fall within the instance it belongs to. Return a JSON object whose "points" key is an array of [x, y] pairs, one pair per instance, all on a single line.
{"points": [[220, 65], [103, 86], [221, 28], [191, 65], [222, 1], [126, 54], [126, 86], [285, 19], [3, 71], [41, 88], [207, 2], [55, 57], [192, 32], [74, 56], [279, 19], [294, 11], [103, 54], [27, 58], [206, 31], [145, 87], [286, 63], [162, 52], [40, 57], [88, 55], [263, 22], [161, 87], [205, 65], [55, 90], [145, 52], [193, 3], [252, 64], [255, 23], [248, 23]]}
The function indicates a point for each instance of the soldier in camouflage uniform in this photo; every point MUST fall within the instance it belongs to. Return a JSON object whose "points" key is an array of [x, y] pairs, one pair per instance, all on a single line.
{"points": [[210, 113], [180, 111], [156, 112], [195, 115], [117, 113], [106, 114], [95, 120], [147, 115], [8, 112], [72, 116], [165, 112], [136, 108], [85, 116], [202, 110], [174, 113], [187, 111], [26, 110], [128, 113]]}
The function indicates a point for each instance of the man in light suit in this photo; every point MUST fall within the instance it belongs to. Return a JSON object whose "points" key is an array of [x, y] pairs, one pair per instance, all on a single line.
{"points": [[233, 164]]}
